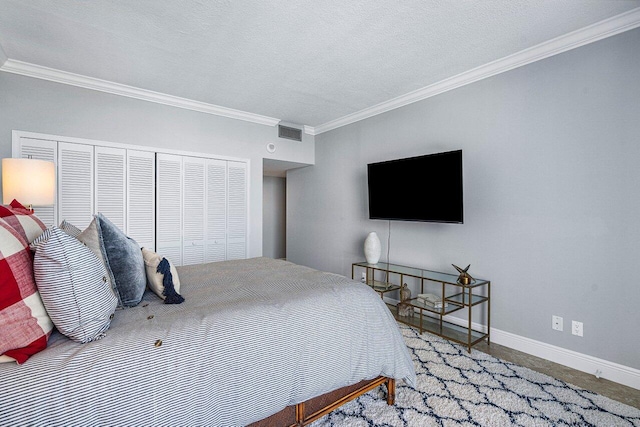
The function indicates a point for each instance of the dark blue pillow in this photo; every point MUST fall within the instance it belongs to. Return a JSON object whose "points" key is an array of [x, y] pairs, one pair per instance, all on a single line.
{"points": [[125, 260]]}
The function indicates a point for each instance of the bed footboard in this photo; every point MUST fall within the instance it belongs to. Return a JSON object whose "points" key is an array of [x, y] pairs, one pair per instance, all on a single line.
{"points": [[307, 412]]}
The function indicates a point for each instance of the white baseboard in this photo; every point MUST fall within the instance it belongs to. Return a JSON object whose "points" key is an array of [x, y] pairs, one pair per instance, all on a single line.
{"points": [[615, 372], [582, 362]]}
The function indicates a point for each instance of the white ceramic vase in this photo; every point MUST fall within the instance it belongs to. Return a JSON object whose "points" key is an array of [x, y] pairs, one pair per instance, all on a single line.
{"points": [[372, 248]]}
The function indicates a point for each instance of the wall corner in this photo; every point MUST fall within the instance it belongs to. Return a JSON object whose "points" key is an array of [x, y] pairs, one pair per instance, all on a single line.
{"points": [[3, 57]]}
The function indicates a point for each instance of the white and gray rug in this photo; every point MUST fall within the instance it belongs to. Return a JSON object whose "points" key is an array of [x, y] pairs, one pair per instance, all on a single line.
{"points": [[455, 388]]}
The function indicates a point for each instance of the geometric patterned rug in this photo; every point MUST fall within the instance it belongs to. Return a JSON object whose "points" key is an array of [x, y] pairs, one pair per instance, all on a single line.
{"points": [[457, 388]]}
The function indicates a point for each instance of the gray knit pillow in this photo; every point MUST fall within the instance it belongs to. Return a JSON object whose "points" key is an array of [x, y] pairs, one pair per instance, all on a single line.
{"points": [[73, 286], [124, 258]]}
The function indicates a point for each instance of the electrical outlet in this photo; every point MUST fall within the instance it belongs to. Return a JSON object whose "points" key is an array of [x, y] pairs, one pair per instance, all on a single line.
{"points": [[576, 328], [556, 323], [364, 277]]}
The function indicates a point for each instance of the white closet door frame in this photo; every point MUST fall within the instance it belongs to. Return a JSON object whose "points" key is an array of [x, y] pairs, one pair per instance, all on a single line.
{"points": [[111, 184], [40, 149], [141, 197], [237, 210], [17, 135], [169, 200], [76, 183], [216, 229], [193, 210]]}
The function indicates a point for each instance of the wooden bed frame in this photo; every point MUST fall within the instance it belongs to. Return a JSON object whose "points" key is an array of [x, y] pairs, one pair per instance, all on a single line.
{"points": [[296, 415]]}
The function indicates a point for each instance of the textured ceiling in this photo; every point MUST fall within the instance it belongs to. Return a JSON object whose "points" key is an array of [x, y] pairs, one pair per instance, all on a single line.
{"points": [[306, 62]]}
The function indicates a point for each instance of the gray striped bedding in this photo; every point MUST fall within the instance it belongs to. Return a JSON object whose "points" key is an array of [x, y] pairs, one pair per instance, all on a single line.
{"points": [[252, 337]]}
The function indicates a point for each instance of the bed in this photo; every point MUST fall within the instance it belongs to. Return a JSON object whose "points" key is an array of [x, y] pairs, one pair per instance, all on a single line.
{"points": [[256, 341]]}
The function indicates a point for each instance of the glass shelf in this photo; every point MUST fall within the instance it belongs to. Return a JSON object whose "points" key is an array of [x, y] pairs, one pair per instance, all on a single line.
{"points": [[451, 306], [382, 287], [420, 273], [448, 330], [426, 317], [462, 298]]}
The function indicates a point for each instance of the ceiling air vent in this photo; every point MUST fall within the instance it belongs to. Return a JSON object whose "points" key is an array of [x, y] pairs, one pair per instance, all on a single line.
{"points": [[289, 133]]}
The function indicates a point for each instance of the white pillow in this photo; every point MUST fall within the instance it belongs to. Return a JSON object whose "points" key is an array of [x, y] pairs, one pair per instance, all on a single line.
{"points": [[73, 286], [91, 239], [155, 279]]}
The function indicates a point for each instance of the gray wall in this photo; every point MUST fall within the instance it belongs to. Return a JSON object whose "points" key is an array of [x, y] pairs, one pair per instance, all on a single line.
{"points": [[274, 225], [552, 213], [34, 105]]}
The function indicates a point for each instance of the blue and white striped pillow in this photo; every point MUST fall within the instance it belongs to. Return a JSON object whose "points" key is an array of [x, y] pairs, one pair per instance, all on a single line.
{"points": [[73, 286], [70, 229]]}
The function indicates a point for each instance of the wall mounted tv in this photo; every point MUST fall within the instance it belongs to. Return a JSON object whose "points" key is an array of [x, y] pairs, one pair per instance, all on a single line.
{"points": [[423, 188]]}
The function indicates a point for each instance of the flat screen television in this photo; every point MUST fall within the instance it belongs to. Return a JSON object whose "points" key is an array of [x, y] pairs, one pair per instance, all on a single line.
{"points": [[422, 188]]}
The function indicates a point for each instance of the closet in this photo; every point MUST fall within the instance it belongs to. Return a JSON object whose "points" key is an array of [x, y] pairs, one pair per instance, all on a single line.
{"points": [[212, 208], [190, 209]]}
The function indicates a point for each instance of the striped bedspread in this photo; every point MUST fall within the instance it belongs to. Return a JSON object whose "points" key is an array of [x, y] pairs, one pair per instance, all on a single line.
{"points": [[252, 337]]}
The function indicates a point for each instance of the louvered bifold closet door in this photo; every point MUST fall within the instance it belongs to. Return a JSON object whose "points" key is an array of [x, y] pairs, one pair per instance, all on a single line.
{"points": [[75, 183], [237, 210], [141, 197], [111, 184], [40, 149], [193, 210], [216, 248], [169, 207]]}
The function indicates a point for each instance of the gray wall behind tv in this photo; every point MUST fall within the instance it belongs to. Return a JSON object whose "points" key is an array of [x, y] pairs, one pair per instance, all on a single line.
{"points": [[551, 157], [35, 105]]}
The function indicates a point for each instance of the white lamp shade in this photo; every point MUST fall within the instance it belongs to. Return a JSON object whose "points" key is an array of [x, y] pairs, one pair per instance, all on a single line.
{"points": [[29, 181]]}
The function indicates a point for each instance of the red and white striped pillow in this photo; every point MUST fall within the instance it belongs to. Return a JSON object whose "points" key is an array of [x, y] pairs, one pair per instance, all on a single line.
{"points": [[24, 323]]}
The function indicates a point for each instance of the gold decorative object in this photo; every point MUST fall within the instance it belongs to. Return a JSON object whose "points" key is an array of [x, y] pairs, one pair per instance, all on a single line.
{"points": [[464, 278], [405, 293], [405, 309]]}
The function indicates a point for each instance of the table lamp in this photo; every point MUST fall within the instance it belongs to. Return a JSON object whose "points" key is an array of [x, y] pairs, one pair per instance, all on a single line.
{"points": [[31, 182]]}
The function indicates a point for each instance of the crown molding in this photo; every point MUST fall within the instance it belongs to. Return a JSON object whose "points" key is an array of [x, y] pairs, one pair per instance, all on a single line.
{"points": [[592, 33], [58, 76]]}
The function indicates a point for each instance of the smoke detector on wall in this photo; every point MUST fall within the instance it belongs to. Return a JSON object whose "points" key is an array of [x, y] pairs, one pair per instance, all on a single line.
{"points": [[271, 147]]}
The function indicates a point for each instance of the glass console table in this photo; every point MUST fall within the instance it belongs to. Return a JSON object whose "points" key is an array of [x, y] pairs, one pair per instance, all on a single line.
{"points": [[456, 296]]}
